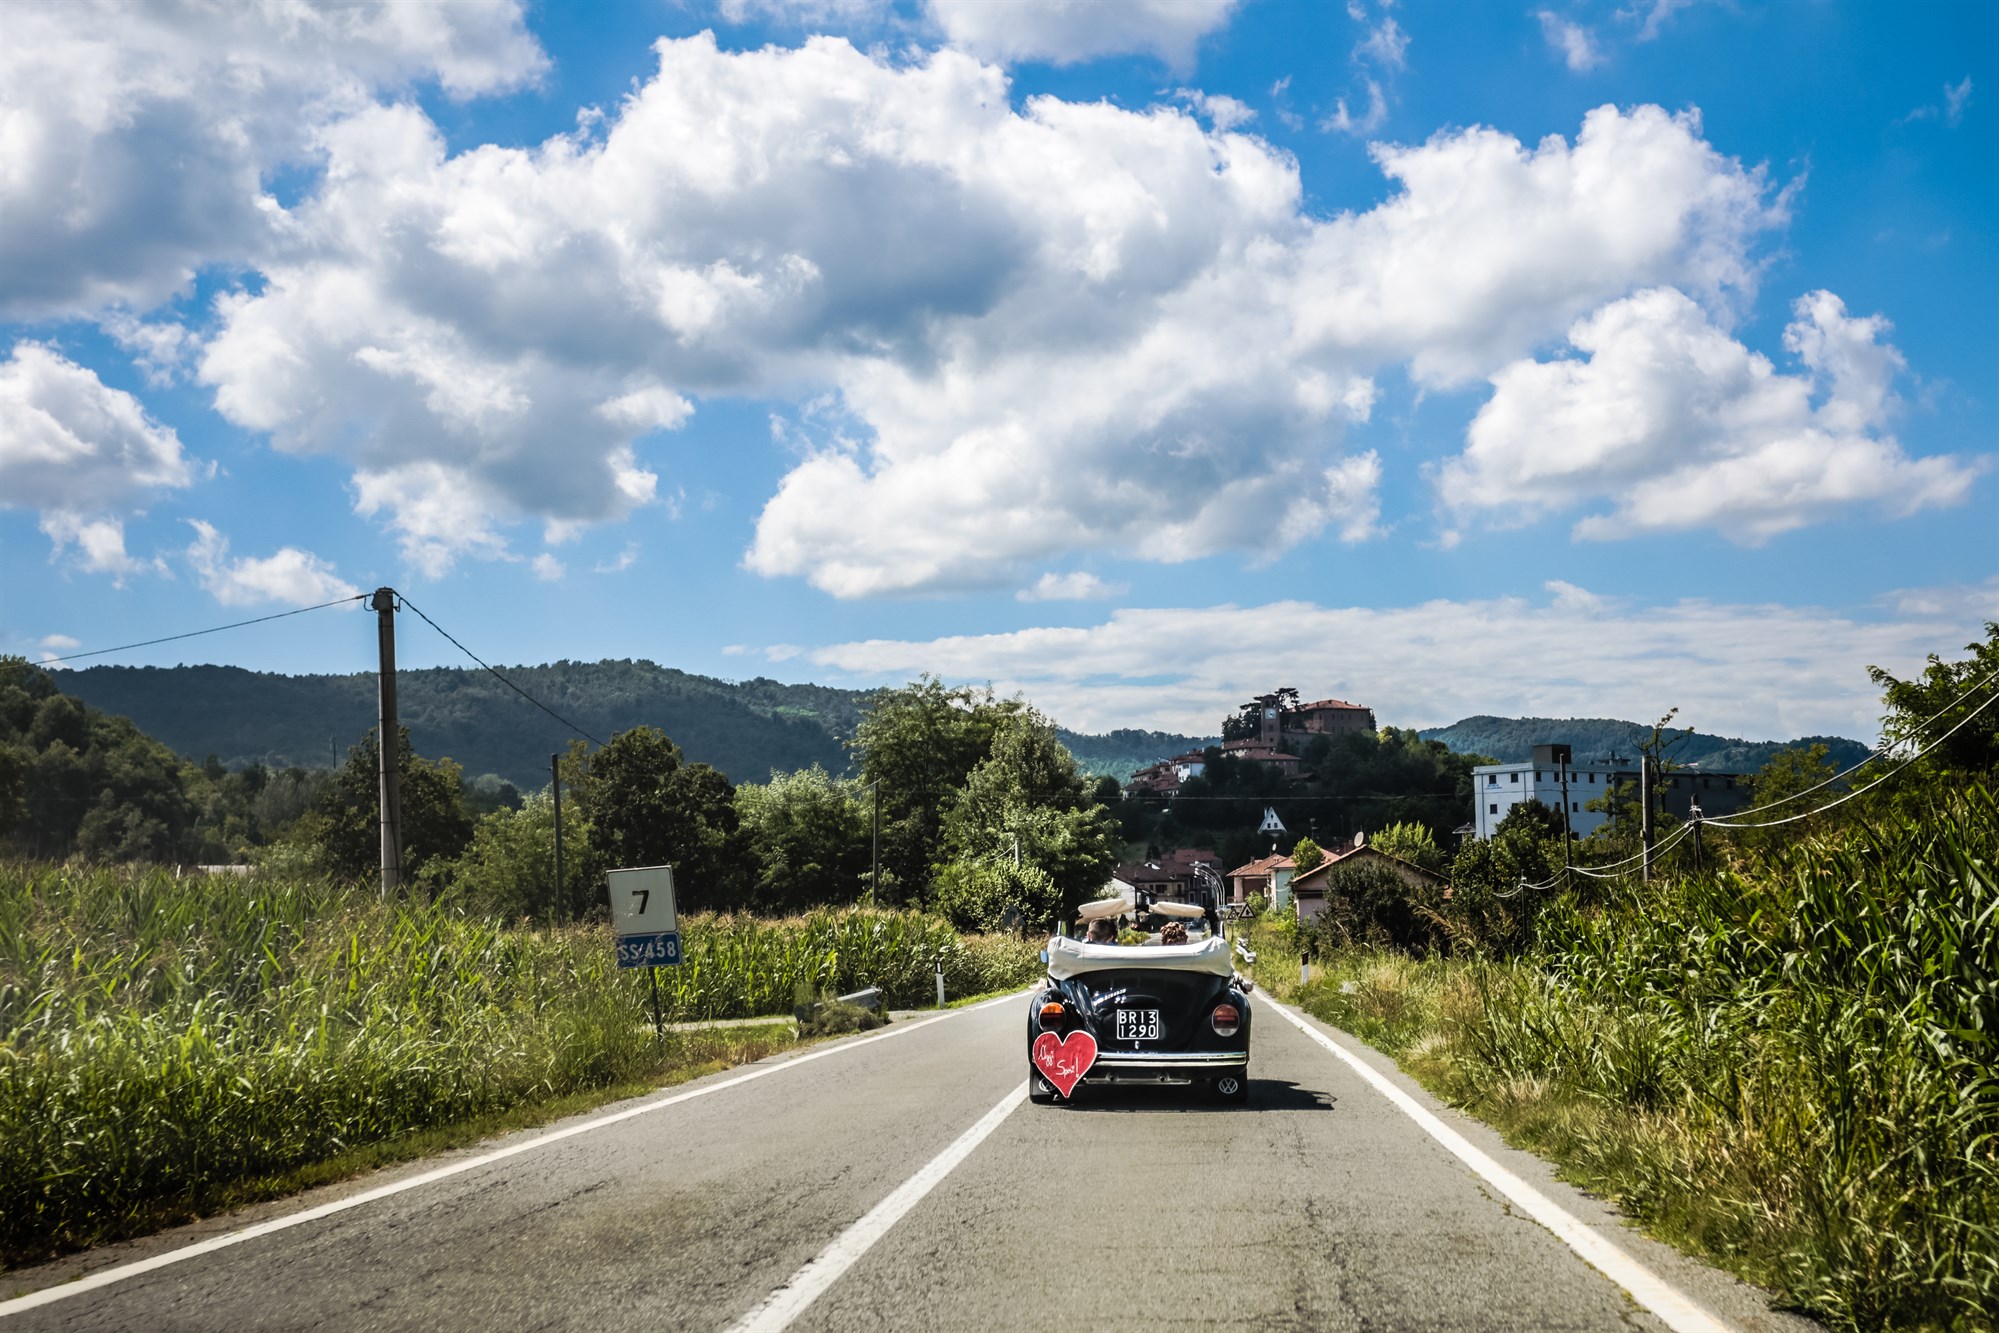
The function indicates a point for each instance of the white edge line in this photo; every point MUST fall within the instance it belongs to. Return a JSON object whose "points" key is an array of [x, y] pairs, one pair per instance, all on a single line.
{"points": [[1676, 1311], [121, 1272], [808, 1284]]}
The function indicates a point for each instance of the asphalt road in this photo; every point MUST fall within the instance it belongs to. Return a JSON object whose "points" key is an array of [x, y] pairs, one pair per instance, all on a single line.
{"points": [[1321, 1205]]}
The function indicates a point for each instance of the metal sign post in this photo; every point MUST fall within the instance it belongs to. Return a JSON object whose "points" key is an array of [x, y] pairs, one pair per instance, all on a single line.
{"points": [[647, 926]]}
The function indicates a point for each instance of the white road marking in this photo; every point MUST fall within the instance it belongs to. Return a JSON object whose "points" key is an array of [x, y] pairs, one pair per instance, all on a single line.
{"points": [[808, 1284], [1676, 1311], [107, 1276]]}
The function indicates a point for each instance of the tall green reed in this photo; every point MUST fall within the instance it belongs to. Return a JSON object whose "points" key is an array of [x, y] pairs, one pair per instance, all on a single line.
{"points": [[161, 1038]]}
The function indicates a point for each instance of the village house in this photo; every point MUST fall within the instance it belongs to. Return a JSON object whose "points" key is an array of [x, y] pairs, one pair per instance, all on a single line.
{"points": [[1269, 876], [1171, 875], [1308, 890]]}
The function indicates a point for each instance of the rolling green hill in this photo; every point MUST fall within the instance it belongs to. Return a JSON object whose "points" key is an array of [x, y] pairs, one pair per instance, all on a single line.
{"points": [[1512, 739], [747, 729]]}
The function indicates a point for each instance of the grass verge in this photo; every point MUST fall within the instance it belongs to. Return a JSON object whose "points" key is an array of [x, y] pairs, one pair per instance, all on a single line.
{"points": [[1786, 1068]]}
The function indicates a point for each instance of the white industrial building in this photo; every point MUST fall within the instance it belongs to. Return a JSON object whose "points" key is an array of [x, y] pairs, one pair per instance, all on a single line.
{"points": [[1553, 779]]}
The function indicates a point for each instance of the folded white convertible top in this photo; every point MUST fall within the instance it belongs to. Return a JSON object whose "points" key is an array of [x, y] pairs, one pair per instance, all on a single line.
{"points": [[1071, 958]]}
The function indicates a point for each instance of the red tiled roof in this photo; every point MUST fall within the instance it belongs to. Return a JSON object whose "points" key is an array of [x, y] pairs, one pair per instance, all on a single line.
{"points": [[1330, 703], [1318, 871], [1262, 865]]}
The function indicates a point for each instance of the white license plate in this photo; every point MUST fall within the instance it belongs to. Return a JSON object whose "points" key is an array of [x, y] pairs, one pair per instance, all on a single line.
{"points": [[1138, 1025]]}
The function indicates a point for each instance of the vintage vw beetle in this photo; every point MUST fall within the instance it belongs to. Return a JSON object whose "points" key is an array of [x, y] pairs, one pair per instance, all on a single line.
{"points": [[1161, 1014]]}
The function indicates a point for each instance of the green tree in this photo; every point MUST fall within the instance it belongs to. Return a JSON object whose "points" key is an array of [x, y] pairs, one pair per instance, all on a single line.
{"points": [[1789, 774], [1027, 803], [1306, 855], [1499, 885], [508, 870], [990, 896], [344, 826], [86, 781], [807, 837], [1369, 902], [647, 806], [1942, 707], [920, 743], [1413, 843]]}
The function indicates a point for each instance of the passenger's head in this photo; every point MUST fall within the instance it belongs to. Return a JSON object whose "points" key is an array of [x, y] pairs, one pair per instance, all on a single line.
{"points": [[1173, 933], [1103, 931]]}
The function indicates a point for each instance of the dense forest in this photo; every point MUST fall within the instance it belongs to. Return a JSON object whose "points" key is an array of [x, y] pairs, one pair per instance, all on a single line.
{"points": [[746, 729], [1512, 739]]}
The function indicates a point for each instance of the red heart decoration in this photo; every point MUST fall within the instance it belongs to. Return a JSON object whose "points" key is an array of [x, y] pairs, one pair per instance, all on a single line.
{"points": [[1064, 1061]]}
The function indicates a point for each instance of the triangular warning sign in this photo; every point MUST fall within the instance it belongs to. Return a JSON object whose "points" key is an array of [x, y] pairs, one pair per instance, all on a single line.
{"points": [[1271, 823]]}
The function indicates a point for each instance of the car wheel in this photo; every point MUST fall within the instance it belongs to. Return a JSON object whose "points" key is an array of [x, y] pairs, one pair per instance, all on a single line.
{"points": [[1233, 1088], [1039, 1090]]}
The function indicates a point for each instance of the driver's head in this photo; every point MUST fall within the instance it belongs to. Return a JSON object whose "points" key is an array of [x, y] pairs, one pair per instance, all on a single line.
{"points": [[1102, 931]]}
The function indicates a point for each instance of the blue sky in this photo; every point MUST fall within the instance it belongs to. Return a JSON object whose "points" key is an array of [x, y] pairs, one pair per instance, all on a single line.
{"points": [[1572, 359]]}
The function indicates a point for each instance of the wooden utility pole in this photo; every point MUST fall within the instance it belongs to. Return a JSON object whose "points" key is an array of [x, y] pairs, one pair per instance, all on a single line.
{"points": [[388, 743], [875, 847], [555, 785], [1645, 811]]}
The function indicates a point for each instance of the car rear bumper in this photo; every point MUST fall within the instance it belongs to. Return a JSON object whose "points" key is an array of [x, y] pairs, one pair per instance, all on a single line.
{"points": [[1177, 1067]]}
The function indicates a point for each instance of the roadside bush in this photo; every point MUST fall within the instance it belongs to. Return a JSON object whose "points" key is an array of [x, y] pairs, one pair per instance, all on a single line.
{"points": [[1369, 902], [986, 896]]}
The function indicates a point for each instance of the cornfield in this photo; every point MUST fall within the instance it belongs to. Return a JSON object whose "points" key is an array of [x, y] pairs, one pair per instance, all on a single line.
{"points": [[1790, 1066], [162, 1038]]}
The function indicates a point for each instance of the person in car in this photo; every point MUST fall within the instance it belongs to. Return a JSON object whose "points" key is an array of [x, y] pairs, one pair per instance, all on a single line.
{"points": [[1173, 933], [1103, 931]]}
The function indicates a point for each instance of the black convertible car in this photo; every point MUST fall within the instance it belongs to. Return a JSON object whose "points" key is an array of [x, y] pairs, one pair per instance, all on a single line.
{"points": [[1160, 1014]]}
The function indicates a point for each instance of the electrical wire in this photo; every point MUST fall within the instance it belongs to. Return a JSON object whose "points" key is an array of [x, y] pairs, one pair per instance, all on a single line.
{"points": [[197, 633], [1878, 752], [1268, 800], [496, 673], [1613, 869], [1726, 822]]}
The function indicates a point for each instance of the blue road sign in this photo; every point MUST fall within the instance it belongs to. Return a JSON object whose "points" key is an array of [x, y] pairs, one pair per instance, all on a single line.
{"points": [[660, 950]]}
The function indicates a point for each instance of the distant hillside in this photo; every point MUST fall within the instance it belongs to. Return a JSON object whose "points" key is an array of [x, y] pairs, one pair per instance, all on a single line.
{"points": [[1512, 739], [1123, 752], [746, 729]]}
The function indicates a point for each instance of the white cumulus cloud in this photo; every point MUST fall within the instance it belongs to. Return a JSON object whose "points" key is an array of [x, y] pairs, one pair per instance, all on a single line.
{"points": [[1068, 32], [85, 455], [291, 576], [1750, 670], [1571, 41], [1681, 426], [1027, 332], [1076, 586], [135, 138], [69, 441]]}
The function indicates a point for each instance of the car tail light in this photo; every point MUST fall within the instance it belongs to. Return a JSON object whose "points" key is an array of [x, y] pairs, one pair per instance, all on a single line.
{"points": [[1051, 1013], [1226, 1020]]}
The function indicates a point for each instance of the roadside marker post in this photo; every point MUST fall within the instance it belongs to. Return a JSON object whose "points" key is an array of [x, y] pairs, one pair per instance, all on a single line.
{"points": [[940, 981], [647, 926]]}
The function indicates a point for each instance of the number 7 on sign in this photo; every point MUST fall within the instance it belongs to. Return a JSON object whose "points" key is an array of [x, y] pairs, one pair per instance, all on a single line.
{"points": [[644, 896]]}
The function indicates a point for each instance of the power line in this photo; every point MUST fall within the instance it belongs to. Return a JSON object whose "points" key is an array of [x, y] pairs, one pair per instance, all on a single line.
{"points": [[1726, 822], [1878, 752], [1266, 800], [497, 676], [197, 633]]}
